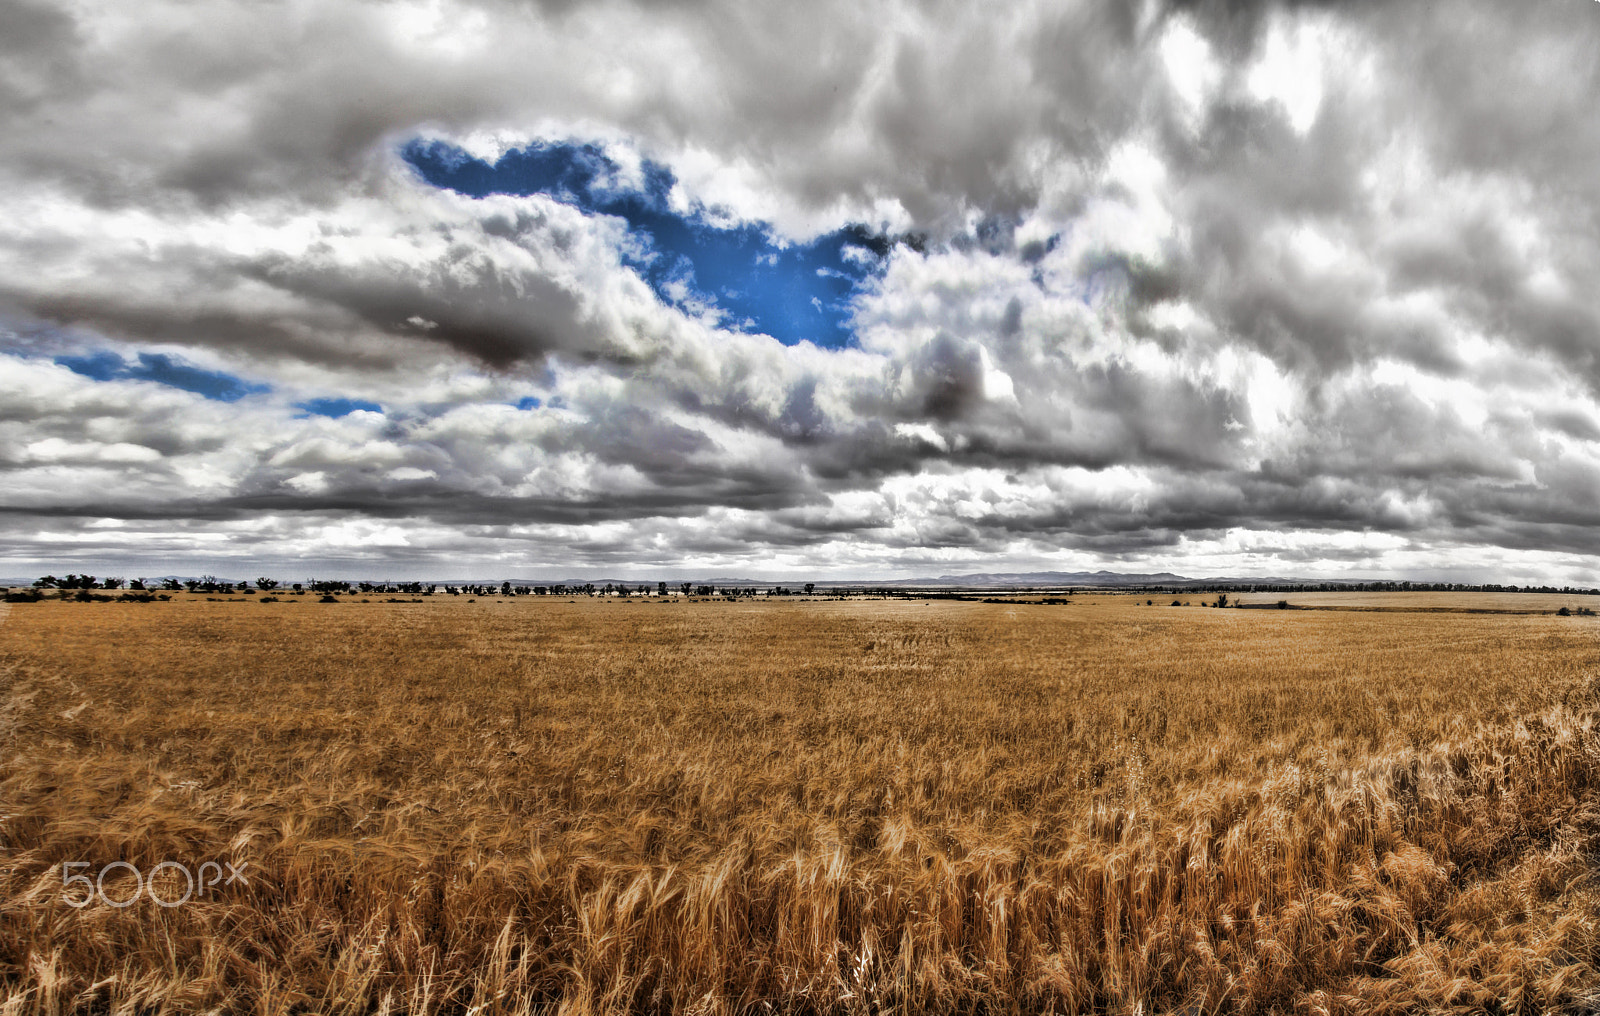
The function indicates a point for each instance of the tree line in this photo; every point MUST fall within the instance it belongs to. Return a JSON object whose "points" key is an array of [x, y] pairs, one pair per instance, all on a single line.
{"points": [[212, 584]]}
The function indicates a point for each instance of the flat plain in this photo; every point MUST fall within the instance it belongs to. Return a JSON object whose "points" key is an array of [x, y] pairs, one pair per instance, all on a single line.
{"points": [[602, 805]]}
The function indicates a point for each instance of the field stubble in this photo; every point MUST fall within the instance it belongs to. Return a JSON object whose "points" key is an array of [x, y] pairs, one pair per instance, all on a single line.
{"points": [[806, 807]]}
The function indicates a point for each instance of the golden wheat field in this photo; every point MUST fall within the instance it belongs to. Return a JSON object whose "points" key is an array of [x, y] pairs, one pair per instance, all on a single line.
{"points": [[602, 806]]}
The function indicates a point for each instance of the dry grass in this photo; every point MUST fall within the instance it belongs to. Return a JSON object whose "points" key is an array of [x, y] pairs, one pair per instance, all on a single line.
{"points": [[1515, 603], [804, 807]]}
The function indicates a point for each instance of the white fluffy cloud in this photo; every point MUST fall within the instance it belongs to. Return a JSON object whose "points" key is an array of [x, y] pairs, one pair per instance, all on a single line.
{"points": [[1208, 288]]}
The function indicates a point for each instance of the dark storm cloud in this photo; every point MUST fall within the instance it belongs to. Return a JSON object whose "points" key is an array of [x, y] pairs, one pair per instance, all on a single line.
{"points": [[309, 97], [1493, 102], [36, 43], [468, 303]]}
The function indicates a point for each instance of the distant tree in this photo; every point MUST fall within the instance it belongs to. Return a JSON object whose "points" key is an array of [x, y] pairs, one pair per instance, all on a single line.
{"points": [[1222, 599], [505, 588], [137, 584], [1175, 603], [191, 584], [111, 583], [661, 589], [1565, 612], [46, 582], [686, 589], [810, 586]]}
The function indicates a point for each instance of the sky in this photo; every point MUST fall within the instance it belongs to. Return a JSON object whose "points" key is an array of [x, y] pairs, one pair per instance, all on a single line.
{"points": [[825, 290]]}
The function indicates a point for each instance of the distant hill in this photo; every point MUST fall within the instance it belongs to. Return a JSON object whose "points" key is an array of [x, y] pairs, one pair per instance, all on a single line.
{"points": [[1098, 578], [979, 580], [1004, 580]]}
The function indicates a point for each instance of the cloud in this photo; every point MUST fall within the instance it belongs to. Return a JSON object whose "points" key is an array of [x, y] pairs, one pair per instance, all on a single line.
{"points": [[1258, 288]]}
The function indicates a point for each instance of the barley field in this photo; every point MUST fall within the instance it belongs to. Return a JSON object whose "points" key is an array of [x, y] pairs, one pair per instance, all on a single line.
{"points": [[607, 806]]}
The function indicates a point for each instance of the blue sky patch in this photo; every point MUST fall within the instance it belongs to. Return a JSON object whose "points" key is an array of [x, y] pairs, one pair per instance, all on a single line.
{"points": [[792, 292], [162, 369], [337, 407], [528, 402]]}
